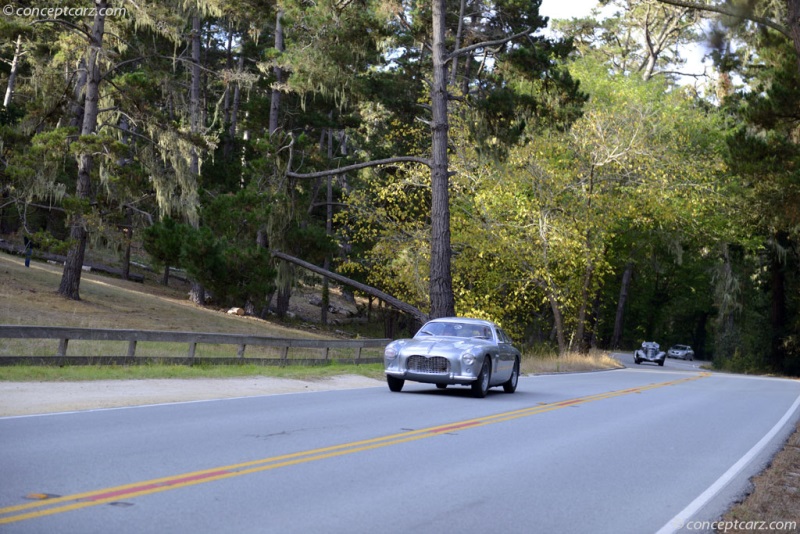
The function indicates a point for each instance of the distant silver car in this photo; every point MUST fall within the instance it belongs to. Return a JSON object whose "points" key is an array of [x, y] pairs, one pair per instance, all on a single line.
{"points": [[454, 350], [684, 352], [650, 352]]}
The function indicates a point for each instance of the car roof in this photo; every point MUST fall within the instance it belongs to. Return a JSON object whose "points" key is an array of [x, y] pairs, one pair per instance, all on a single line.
{"points": [[466, 320]]}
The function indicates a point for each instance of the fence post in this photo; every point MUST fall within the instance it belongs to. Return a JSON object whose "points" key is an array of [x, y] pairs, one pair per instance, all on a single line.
{"points": [[192, 347], [284, 355], [358, 354], [240, 352], [62, 346], [131, 348]]}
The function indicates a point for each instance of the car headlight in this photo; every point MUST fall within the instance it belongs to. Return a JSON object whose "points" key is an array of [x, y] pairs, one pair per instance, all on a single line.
{"points": [[390, 352], [468, 358]]}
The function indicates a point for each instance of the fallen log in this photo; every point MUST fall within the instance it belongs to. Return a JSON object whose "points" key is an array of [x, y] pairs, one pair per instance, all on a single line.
{"points": [[420, 316]]}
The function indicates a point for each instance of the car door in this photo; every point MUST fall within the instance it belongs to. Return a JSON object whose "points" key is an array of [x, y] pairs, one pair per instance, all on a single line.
{"points": [[506, 354]]}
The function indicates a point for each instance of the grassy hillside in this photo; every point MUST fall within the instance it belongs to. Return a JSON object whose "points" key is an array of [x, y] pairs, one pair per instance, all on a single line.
{"points": [[28, 297]]}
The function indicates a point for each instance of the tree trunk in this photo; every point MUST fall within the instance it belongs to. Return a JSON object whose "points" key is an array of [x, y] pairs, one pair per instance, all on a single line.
{"points": [[12, 76], [282, 300], [558, 323], [794, 26], [459, 33], [326, 298], [194, 91], [699, 337], [580, 331], [226, 100], [78, 94], [197, 293], [127, 237], [234, 114], [726, 341], [275, 97], [619, 318], [441, 282], [71, 277], [778, 303]]}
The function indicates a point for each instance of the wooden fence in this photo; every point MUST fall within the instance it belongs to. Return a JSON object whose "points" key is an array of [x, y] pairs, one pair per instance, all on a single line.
{"points": [[64, 335]]}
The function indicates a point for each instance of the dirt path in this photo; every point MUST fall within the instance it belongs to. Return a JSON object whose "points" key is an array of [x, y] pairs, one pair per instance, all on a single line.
{"points": [[29, 398]]}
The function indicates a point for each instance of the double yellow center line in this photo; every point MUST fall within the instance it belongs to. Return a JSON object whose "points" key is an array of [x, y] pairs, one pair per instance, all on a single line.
{"points": [[44, 504]]}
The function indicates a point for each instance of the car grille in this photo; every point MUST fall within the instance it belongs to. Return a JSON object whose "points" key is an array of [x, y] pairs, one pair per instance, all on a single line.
{"points": [[422, 364]]}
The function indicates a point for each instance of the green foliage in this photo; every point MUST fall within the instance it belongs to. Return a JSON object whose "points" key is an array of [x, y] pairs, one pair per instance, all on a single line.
{"points": [[164, 240], [247, 275], [764, 158], [739, 362], [567, 166], [45, 241], [203, 257]]}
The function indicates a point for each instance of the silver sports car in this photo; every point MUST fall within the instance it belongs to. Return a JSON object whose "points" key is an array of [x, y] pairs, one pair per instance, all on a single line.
{"points": [[454, 350], [684, 352]]}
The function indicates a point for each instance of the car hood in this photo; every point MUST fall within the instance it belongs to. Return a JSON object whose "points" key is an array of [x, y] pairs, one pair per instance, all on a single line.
{"points": [[439, 345]]}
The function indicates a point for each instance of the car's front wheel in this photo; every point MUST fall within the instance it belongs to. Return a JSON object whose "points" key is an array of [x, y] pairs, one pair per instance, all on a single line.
{"points": [[511, 385], [395, 384], [481, 386]]}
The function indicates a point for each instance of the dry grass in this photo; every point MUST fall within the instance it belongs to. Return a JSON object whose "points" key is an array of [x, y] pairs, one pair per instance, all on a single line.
{"points": [[775, 496], [553, 363], [28, 297]]}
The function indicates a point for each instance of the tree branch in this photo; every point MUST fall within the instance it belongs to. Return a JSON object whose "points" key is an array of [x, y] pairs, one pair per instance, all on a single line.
{"points": [[722, 10], [118, 65], [69, 25], [357, 166], [487, 44], [147, 215], [392, 301]]}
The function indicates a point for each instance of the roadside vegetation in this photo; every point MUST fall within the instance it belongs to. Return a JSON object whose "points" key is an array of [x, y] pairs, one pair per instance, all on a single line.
{"points": [[27, 298], [576, 190]]}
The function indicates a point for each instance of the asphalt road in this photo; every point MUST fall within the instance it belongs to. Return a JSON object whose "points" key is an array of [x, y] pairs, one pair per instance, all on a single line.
{"points": [[670, 363], [630, 451]]}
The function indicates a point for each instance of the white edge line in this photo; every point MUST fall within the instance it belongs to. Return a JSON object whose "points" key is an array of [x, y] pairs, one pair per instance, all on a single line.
{"points": [[678, 522]]}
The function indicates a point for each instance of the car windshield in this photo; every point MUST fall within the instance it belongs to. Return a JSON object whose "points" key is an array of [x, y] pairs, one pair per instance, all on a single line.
{"points": [[455, 330], [680, 347]]}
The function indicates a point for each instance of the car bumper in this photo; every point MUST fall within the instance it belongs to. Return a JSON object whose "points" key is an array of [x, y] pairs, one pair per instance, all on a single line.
{"points": [[432, 378], [653, 359]]}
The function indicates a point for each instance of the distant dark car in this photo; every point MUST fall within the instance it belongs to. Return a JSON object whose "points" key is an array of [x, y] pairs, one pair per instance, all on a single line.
{"points": [[455, 350], [650, 352], [684, 352]]}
